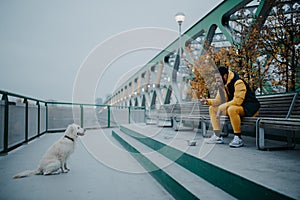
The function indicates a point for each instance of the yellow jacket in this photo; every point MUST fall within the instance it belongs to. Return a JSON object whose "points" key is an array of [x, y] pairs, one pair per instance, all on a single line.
{"points": [[238, 95]]}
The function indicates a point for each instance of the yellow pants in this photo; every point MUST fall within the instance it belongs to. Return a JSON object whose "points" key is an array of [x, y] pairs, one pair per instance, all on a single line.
{"points": [[234, 112]]}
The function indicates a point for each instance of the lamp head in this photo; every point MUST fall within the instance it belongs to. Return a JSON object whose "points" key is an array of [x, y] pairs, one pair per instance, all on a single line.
{"points": [[180, 17]]}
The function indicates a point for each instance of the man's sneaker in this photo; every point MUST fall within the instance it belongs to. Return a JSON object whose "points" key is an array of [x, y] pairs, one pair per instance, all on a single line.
{"points": [[236, 142], [215, 140]]}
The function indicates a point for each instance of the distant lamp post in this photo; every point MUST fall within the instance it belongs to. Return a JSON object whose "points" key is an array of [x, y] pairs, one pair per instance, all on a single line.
{"points": [[180, 17]]}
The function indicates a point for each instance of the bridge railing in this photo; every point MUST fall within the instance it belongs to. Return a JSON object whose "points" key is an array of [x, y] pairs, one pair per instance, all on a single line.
{"points": [[24, 118]]}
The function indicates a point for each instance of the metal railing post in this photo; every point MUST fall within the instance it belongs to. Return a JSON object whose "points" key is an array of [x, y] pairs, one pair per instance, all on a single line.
{"points": [[108, 116], [6, 113], [129, 115], [26, 120], [81, 115], [145, 113], [47, 116], [39, 116]]}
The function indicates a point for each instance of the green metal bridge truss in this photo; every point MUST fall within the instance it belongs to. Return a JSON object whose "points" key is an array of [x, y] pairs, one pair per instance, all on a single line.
{"points": [[163, 79]]}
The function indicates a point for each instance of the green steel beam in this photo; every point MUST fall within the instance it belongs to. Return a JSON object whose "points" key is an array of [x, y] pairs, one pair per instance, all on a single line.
{"points": [[168, 95], [215, 18], [153, 100]]}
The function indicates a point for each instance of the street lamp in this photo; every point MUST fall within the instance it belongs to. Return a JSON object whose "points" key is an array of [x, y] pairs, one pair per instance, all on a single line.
{"points": [[179, 17]]}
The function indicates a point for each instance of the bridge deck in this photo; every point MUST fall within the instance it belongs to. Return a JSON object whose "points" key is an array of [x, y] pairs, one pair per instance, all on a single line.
{"points": [[278, 170], [101, 168], [87, 179]]}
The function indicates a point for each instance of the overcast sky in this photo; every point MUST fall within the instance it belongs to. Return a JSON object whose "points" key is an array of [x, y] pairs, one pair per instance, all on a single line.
{"points": [[44, 43]]}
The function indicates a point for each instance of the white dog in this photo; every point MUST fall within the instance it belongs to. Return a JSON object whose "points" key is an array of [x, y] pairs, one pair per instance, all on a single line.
{"points": [[56, 156]]}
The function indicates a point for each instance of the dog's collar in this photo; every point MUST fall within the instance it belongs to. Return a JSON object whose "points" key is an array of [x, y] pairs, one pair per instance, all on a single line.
{"points": [[69, 138]]}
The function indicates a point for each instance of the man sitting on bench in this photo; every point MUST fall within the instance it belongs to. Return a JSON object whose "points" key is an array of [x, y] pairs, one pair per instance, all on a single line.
{"points": [[235, 99]]}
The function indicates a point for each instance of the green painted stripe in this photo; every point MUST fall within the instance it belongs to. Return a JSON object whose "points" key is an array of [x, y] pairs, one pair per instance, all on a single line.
{"points": [[233, 184], [170, 184]]}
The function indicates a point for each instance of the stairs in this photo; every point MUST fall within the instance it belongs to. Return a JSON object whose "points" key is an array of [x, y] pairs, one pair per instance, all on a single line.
{"points": [[185, 176]]}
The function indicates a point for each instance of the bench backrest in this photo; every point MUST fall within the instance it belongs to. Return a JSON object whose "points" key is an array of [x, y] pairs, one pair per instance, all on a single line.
{"points": [[166, 109], [190, 109], [277, 105], [177, 109], [183, 108]]}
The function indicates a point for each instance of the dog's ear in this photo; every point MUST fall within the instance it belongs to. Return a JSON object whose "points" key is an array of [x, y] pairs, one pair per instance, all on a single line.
{"points": [[70, 130]]}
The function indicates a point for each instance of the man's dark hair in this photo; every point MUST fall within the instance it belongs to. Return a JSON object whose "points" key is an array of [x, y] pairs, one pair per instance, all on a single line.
{"points": [[222, 70]]}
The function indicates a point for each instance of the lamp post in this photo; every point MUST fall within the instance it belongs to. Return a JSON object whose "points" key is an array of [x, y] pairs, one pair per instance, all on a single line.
{"points": [[179, 17]]}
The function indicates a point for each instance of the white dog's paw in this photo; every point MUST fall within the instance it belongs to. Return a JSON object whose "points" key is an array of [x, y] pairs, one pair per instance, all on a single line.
{"points": [[65, 171]]}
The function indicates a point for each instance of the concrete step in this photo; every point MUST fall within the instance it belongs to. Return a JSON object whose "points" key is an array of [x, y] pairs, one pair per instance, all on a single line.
{"points": [[180, 182], [234, 184]]}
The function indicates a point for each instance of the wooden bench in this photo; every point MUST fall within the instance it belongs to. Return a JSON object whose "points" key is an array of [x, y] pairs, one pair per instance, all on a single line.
{"points": [[290, 123], [277, 106], [164, 115], [186, 115], [272, 106], [151, 116], [279, 111]]}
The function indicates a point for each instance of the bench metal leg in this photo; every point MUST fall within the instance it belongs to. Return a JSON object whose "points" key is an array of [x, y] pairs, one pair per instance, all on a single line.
{"points": [[203, 127], [176, 125], [225, 132], [261, 138], [179, 125], [151, 121], [260, 135], [291, 140], [164, 123]]}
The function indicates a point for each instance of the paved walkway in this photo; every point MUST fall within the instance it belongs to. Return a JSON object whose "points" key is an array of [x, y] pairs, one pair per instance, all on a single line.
{"points": [[102, 169], [105, 174], [278, 170]]}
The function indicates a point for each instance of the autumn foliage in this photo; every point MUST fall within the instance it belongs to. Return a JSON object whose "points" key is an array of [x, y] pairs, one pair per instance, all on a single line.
{"points": [[266, 53]]}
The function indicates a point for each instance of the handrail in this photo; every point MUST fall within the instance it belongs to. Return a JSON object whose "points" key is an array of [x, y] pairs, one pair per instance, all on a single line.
{"points": [[64, 103], [20, 96]]}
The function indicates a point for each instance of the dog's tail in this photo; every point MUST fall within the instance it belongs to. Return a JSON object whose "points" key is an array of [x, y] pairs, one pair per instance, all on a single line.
{"points": [[27, 173]]}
